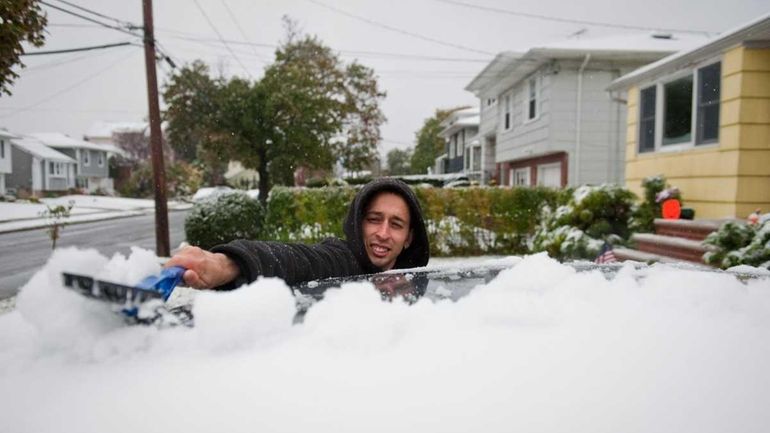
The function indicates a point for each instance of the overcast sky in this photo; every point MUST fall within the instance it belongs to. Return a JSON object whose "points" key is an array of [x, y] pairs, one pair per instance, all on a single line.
{"points": [[424, 52]]}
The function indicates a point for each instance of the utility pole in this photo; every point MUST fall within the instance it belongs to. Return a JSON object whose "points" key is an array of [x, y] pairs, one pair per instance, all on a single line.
{"points": [[156, 141]]}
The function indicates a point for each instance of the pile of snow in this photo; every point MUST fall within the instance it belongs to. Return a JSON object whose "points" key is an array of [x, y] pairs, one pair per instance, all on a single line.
{"points": [[539, 348]]}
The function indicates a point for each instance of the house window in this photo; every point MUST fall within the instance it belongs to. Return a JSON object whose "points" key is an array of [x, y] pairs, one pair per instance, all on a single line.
{"points": [[491, 102], [688, 107], [507, 114], [709, 84], [2, 149], [677, 111], [647, 120], [549, 175], [520, 177], [86, 157], [532, 99], [100, 159], [452, 145], [467, 159], [477, 158], [56, 169], [461, 143]]}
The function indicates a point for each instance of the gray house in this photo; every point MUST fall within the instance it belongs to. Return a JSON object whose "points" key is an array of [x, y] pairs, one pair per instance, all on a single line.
{"points": [[92, 170], [459, 130], [5, 157], [36, 168], [546, 117]]}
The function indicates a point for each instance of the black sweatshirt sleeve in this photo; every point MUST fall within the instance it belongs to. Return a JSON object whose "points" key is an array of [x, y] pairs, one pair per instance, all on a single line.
{"points": [[294, 263]]}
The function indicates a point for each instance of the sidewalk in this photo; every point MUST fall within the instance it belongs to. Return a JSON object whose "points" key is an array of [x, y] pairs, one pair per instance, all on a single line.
{"points": [[26, 216]]}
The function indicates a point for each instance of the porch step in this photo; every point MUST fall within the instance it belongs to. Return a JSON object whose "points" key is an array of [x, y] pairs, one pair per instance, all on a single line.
{"points": [[672, 247], [688, 229], [624, 254]]}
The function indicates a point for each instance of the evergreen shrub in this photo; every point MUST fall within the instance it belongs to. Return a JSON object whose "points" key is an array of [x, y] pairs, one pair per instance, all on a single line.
{"points": [[224, 218], [739, 244], [591, 216], [307, 215], [461, 221]]}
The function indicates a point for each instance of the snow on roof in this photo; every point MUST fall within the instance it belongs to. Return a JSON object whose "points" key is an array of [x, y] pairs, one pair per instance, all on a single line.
{"points": [[40, 150], [4, 133], [59, 140], [755, 30], [509, 67], [104, 129], [655, 42]]}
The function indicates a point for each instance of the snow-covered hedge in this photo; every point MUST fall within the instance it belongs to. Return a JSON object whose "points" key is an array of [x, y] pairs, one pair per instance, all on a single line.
{"points": [[462, 221], [592, 216], [224, 218], [739, 244]]}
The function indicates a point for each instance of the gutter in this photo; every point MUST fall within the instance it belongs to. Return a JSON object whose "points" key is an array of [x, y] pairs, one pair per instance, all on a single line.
{"points": [[579, 117]]}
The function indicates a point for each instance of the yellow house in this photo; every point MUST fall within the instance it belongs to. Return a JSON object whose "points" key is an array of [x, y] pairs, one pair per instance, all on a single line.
{"points": [[701, 117]]}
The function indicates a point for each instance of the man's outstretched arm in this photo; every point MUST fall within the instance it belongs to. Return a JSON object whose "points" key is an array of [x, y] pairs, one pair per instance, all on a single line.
{"points": [[205, 270]]}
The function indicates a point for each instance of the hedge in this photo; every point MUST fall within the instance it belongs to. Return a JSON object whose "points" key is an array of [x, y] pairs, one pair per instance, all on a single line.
{"points": [[461, 221]]}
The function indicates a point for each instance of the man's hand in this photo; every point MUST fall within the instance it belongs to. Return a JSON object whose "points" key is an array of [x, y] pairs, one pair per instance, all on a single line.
{"points": [[205, 270]]}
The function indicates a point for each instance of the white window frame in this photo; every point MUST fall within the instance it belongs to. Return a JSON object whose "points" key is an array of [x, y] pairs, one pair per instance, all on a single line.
{"points": [[507, 110], [538, 100], [525, 172], [489, 102], [460, 143], [56, 169], [100, 159], [86, 158], [542, 167], [451, 152], [660, 113]]}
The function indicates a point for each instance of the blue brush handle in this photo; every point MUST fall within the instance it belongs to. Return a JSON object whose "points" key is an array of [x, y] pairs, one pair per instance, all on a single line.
{"points": [[164, 283]]}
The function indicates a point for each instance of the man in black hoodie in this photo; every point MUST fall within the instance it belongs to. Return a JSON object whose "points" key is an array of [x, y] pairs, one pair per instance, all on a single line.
{"points": [[384, 229]]}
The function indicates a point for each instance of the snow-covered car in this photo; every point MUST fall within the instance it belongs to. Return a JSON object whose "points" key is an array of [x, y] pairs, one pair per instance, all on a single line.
{"points": [[211, 192], [253, 193]]}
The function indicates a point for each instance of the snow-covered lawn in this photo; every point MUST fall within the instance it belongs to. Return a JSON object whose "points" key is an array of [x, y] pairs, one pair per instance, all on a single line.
{"points": [[23, 211], [21, 216], [540, 348]]}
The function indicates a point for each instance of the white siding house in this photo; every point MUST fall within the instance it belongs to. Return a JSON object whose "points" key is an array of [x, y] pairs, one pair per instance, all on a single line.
{"points": [[5, 158], [92, 169], [462, 148], [546, 117], [37, 168]]}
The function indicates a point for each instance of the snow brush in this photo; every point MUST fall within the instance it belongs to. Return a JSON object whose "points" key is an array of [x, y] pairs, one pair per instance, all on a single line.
{"points": [[142, 303]]}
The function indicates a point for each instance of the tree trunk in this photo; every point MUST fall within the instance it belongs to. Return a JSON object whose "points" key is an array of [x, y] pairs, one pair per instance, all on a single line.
{"points": [[264, 181]]}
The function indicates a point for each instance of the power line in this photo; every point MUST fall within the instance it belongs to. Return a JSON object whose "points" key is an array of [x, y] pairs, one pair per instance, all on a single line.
{"points": [[67, 89], [75, 14], [213, 27], [566, 20], [195, 38], [75, 50], [126, 24], [240, 29], [397, 30]]}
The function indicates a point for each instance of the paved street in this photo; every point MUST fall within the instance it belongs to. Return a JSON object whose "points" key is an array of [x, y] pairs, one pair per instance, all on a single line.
{"points": [[22, 253]]}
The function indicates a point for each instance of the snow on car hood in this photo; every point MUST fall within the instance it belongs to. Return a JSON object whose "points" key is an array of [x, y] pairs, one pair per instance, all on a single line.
{"points": [[541, 346]]}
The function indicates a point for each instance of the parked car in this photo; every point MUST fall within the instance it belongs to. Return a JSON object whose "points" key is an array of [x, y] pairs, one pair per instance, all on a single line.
{"points": [[211, 192]]}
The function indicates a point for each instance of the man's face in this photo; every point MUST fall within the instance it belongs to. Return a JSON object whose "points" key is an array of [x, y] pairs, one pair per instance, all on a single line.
{"points": [[386, 229]]}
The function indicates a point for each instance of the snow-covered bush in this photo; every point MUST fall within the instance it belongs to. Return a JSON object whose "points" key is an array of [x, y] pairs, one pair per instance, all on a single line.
{"points": [[739, 244], [592, 216], [224, 218], [460, 221], [306, 214], [472, 221]]}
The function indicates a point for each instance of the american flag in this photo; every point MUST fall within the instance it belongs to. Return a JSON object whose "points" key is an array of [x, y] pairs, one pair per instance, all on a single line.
{"points": [[606, 255]]}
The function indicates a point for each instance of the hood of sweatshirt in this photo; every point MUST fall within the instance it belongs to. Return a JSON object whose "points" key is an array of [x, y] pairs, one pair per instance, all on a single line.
{"points": [[418, 252]]}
